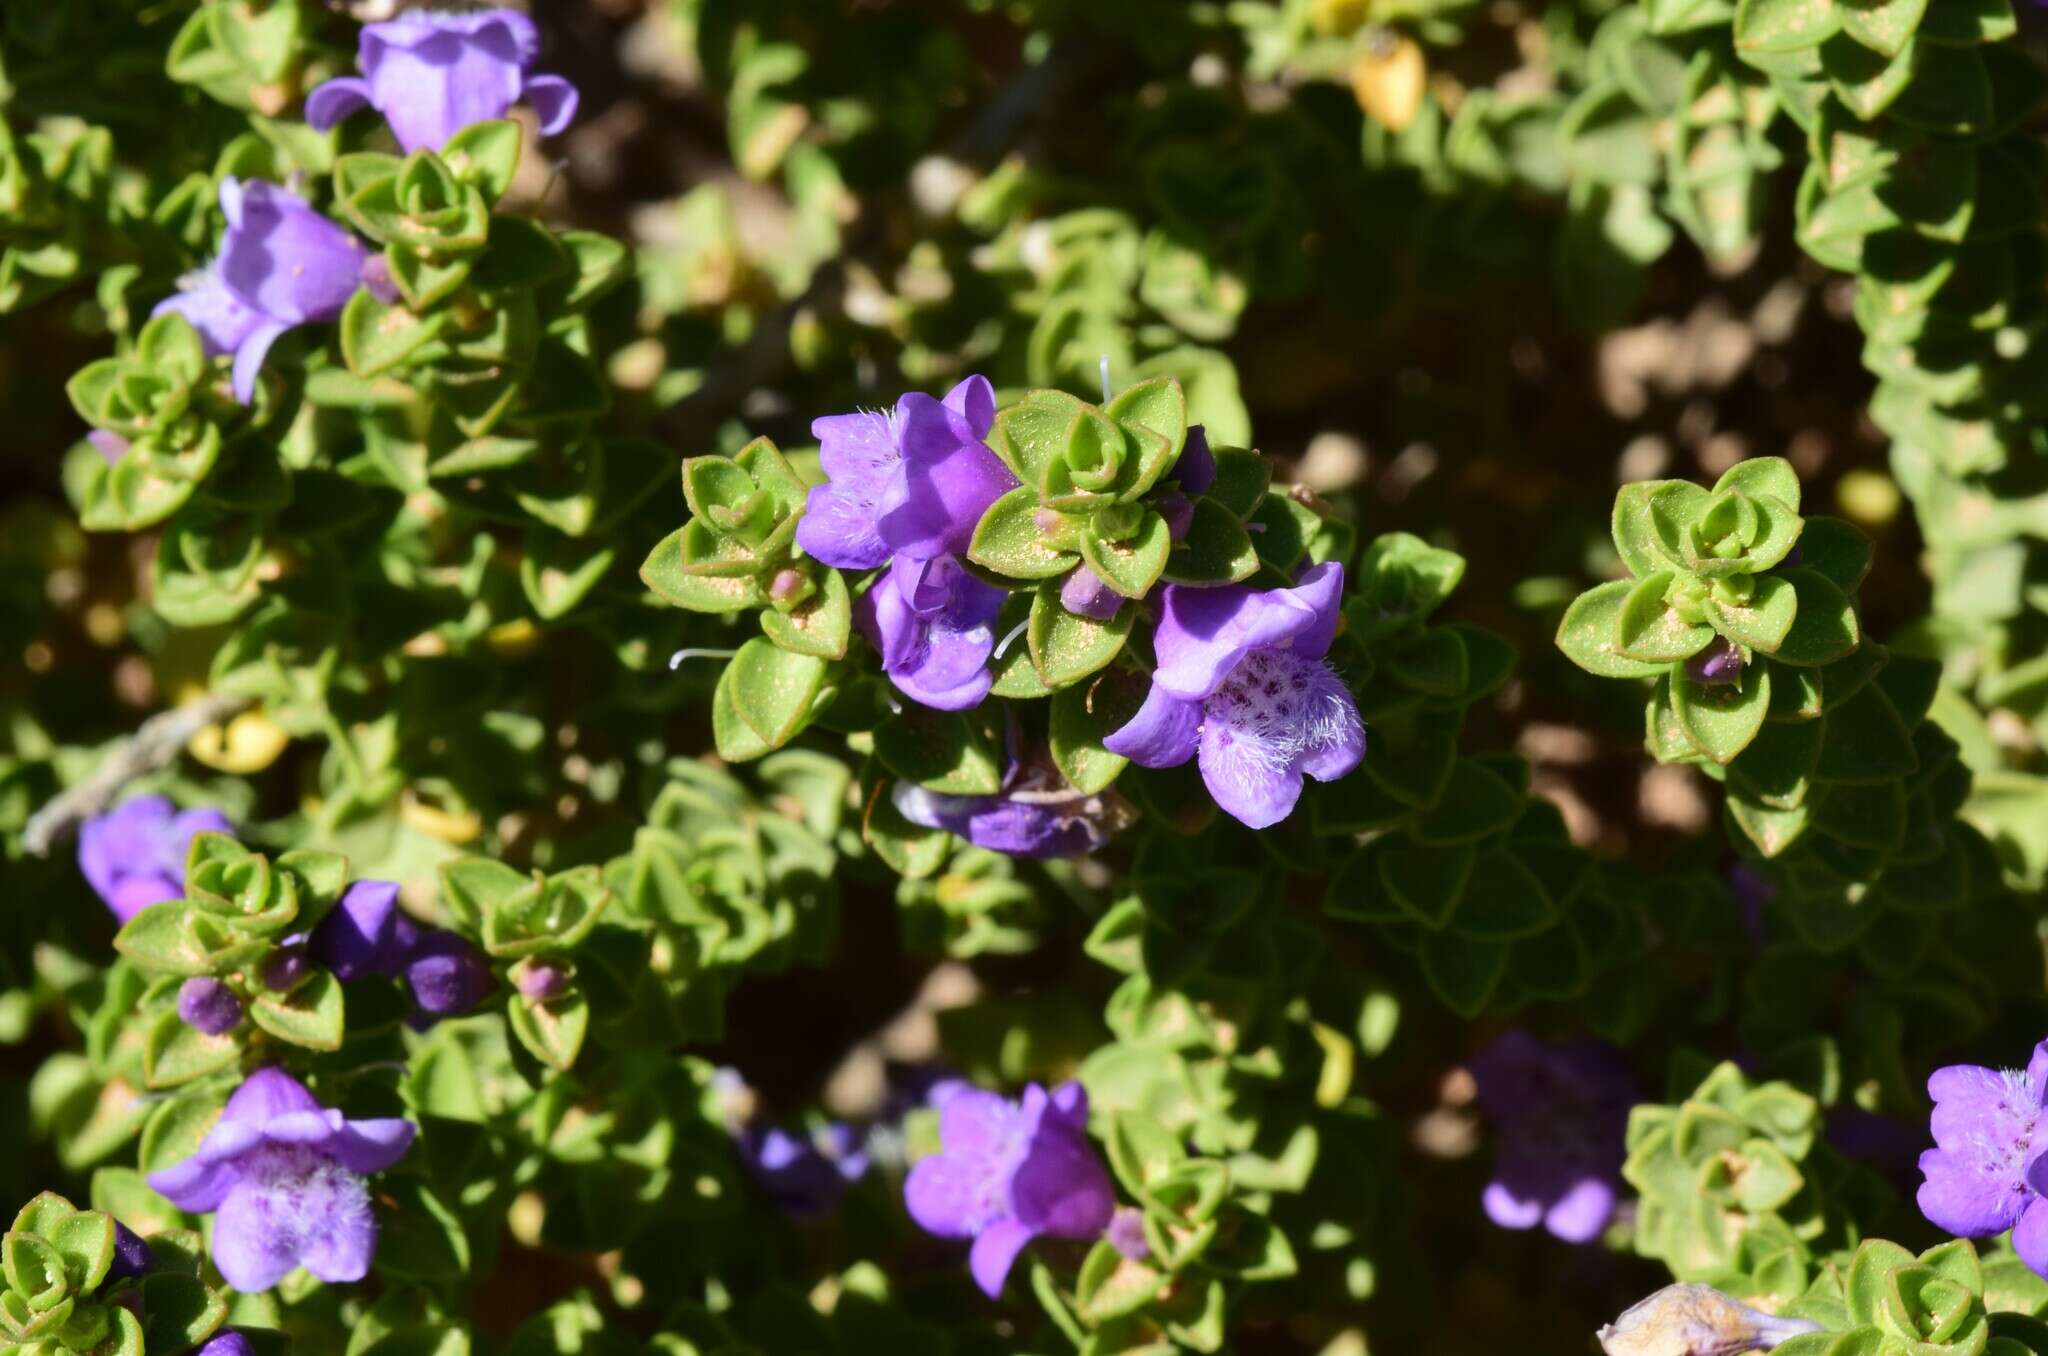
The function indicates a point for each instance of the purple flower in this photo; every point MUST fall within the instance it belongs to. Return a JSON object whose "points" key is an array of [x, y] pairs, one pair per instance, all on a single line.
{"points": [[1008, 1172], [208, 1006], [431, 74], [134, 854], [284, 1178], [281, 265], [1719, 665], [227, 1342], [910, 484], [448, 975], [1019, 823], [1241, 683], [1983, 1174], [804, 1175], [1561, 1113], [366, 934], [934, 625]]}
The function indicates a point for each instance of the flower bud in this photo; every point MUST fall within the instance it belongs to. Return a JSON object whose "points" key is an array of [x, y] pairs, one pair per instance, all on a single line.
{"points": [[208, 1006], [539, 980], [448, 976], [1719, 665], [284, 968]]}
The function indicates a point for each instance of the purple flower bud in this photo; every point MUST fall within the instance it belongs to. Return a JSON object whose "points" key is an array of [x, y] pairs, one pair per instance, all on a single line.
{"points": [[281, 265], [1719, 665], [112, 446], [131, 1256], [786, 585], [134, 854], [1009, 1172], [448, 974], [208, 1006], [1126, 1233], [227, 1342], [1195, 468], [364, 935], [431, 74], [284, 967], [283, 1176], [539, 980], [1085, 595], [1179, 512], [1019, 825]]}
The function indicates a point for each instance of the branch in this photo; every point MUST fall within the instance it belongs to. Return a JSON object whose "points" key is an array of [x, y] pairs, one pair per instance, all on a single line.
{"points": [[153, 745]]}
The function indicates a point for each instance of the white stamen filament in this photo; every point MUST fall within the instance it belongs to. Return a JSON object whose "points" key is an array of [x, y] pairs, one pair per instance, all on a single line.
{"points": [[1015, 631], [675, 661]]}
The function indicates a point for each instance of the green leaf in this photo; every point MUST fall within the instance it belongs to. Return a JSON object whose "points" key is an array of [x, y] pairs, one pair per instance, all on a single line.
{"points": [[1775, 26], [1463, 971], [1761, 476], [1066, 648], [821, 626], [1764, 621], [1721, 720], [1030, 435], [85, 1242], [1777, 767], [1477, 802], [1010, 541], [1428, 882], [1865, 741], [667, 572], [160, 940], [553, 1031], [1825, 629], [1157, 404], [772, 690], [1650, 631], [310, 1015], [182, 1311], [1635, 535], [1241, 480], [485, 155], [939, 750], [1432, 661], [174, 1053], [1837, 550], [1132, 566], [376, 337], [1216, 549], [1082, 715], [1590, 633]]}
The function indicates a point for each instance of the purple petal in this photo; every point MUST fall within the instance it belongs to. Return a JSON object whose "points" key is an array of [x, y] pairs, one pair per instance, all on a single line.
{"points": [[995, 1252], [336, 100], [1244, 779], [1334, 740], [2037, 1073], [1061, 1187], [947, 1196], [859, 456], [285, 260], [1164, 732], [974, 400], [2030, 1237], [132, 1256], [432, 75], [265, 1094], [228, 1342], [1203, 634], [339, 1246], [933, 624], [249, 359], [111, 446], [201, 1182], [254, 1243], [975, 1122], [554, 102], [223, 321], [949, 479], [1582, 1213], [1967, 1196], [1507, 1209], [132, 894]]}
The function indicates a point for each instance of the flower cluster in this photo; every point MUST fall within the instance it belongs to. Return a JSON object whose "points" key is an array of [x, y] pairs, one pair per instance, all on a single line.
{"points": [[1985, 1173]]}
